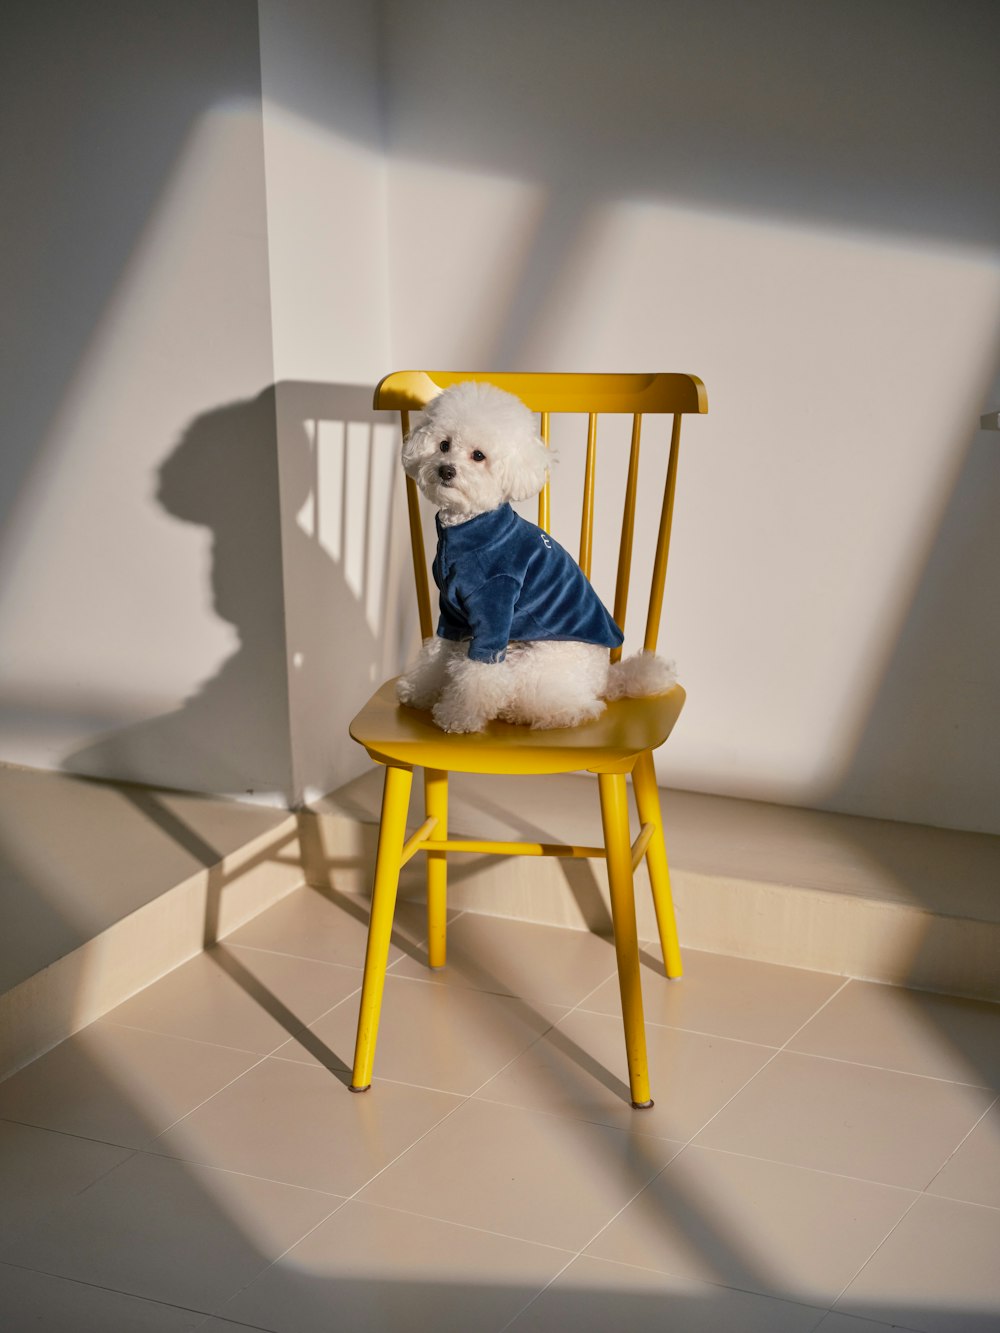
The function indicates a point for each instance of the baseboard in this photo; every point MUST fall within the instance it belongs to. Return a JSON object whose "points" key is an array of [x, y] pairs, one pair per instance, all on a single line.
{"points": [[866, 898], [148, 878]]}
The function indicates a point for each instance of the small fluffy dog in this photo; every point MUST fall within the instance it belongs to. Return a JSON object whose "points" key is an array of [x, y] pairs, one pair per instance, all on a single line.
{"points": [[522, 635]]}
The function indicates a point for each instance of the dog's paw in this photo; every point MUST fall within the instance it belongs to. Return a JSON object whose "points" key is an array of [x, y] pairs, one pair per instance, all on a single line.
{"points": [[450, 716], [414, 694]]}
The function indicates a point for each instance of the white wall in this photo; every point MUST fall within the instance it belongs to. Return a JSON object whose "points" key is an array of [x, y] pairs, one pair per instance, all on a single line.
{"points": [[797, 204], [327, 240], [210, 258], [141, 619]]}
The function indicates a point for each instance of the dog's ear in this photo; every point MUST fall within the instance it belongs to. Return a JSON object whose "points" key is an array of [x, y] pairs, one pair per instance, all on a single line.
{"points": [[417, 445], [525, 469]]}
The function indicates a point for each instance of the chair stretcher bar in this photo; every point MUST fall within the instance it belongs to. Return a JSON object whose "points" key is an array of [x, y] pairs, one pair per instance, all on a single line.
{"points": [[421, 841]]}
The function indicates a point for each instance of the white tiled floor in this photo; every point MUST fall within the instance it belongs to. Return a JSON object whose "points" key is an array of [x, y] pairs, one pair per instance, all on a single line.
{"points": [[823, 1155]]}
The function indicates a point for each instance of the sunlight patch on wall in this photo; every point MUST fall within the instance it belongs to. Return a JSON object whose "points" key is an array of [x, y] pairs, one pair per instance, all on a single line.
{"points": [[460, 244], [846, 374], [347, 511], [326, 232], [102, 590]]}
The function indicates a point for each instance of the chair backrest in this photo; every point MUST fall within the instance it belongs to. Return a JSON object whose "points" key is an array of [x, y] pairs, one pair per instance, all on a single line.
{"points": [[411, 390]]}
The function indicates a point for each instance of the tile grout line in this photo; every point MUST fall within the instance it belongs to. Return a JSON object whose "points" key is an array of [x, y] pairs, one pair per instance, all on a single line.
{"points": [[468, 1097], [460, 1226], [918, 1195], [531, 1046], [465, 1101], [175, 1036], [883, 1242], [956, 1150], [220, 1312], [820, 1310], [346, 1199], [148, 1148], [579, 1006], [271, 1054], [114, 1291], [204, 1102], [862, 1064], [684, 1146], [582, 1251], [767, 1063], [539, 1294], [68, 1134]]}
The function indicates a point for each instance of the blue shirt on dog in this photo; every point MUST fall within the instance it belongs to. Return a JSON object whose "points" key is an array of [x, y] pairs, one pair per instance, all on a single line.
{"points": [[502, 578]]}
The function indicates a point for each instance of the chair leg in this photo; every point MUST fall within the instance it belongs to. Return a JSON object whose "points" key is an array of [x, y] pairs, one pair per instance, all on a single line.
{"points": [[436, 805], [392, 832], [647, 799], [614, 815]]}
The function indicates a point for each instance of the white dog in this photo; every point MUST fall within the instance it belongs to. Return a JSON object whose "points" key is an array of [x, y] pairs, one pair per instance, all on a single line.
{"points": [[522, 636]]}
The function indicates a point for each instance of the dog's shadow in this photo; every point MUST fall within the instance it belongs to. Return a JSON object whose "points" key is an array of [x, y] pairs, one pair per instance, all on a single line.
{"points": [[233, 733]]}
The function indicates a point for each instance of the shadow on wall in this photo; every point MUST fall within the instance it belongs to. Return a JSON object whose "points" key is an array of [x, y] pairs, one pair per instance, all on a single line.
{"points": [[246, 472], [99, 103], [232, 734], [928, 744], [878, 117], [349, 618]]}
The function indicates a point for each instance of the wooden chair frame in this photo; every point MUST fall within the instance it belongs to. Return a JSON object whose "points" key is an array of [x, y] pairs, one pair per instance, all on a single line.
{"points": [[619, 743]]}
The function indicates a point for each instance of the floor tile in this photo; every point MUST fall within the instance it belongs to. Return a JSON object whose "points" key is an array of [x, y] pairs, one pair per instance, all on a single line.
{"points": [[541, 1178], [937, 1272], [914, 1031], [727, 997], [40, 1170], [188, 1161], [44, 1304], [250, 999], [845, 1323], [118, 1084], [172, 1232], [299, 1124], [328, 928], [973, 1174], [507, 957], [871, 1123], [436, 1036], [380, 1269], [579, 1069], [216, 1325], [594, 1296], [757, 1226]]}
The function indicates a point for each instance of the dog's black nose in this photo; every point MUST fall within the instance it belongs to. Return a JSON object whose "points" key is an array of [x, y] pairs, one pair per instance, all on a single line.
{"points": [[446, 472]]}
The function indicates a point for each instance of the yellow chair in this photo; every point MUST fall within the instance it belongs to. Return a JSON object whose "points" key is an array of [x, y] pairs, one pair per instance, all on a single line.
{"points": [[620, 742]]}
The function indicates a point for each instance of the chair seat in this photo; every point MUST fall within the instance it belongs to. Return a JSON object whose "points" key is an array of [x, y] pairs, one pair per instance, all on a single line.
{"points": [[395, 734]]}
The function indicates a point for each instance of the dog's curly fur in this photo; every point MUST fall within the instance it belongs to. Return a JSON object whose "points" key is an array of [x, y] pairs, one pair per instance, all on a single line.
{"points": [[495, 456]]}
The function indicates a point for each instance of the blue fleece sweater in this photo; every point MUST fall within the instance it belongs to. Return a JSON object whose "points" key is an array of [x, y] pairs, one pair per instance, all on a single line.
{"points": [[502, 578]]}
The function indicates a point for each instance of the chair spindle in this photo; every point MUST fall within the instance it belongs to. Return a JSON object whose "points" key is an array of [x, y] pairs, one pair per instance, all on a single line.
{"points": [[544, 512], [628, 533], [663, 541], [417, 546], [587, 526]]}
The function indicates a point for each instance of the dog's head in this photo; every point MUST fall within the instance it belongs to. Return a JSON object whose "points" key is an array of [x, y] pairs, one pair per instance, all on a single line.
{"points": [[475, 447]]}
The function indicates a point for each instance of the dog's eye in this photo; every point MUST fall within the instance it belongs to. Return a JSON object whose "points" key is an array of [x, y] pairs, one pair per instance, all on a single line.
{"points": [[478, 456], [445, 446]]}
